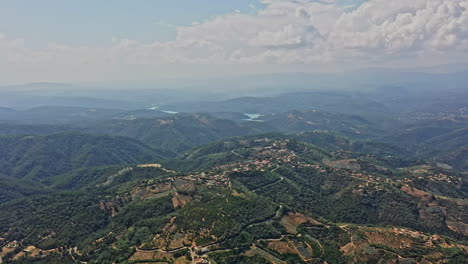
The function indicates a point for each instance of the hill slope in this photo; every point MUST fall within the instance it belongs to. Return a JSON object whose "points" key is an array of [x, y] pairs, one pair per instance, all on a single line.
{"points": [[176, 133], [257, 199], [40, 157]]}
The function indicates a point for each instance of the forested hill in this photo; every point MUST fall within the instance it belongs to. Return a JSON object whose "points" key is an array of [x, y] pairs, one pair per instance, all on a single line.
{"points": [[299, 187], [176, 133], [256, 199], [40, 157]]}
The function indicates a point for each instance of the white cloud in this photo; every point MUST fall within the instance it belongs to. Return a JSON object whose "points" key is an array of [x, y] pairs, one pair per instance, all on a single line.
{"points": [[286, 32], [402, 26]]}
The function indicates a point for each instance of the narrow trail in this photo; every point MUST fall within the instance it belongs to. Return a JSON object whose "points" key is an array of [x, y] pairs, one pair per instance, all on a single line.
{"points": [[112, 177], [160, 250], [192, 255], [276, 215], [73, 257], [237, 154], [269, 184], [321, 247]]}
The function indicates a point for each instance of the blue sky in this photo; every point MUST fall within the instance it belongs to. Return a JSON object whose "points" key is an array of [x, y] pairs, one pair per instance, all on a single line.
{"points": [[95, 22], [59, 40]]}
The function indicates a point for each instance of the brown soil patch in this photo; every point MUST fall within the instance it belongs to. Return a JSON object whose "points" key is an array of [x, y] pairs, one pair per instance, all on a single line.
{"points": [[422, 169], [426, 196], [383, 237], [303, 250], [30, 251], [108, 207], [170, 239], [281, 247], [236, 193], [458, 227], [182, 260], [179, 200], [159, 188], [6, 250], [140, 255], [293, 220], [348, 249], [184, 185]]}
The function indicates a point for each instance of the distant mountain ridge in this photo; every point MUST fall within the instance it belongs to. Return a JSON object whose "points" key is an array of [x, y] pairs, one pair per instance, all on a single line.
{"points": [[40, 157]]}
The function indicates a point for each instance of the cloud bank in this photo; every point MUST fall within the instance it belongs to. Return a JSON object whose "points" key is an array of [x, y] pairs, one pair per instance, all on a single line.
{"points": [[287, 32]]}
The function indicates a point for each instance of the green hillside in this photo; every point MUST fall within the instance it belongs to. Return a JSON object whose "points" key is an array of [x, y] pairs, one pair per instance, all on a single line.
{"points": [[174, 134], [41, 157], [255, 199]]}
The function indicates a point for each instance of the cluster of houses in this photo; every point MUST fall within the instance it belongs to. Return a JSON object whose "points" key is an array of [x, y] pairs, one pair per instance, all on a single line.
{"points": [[371, 182], [434, 176], [430, 239], [262, 159], [444, 178]]}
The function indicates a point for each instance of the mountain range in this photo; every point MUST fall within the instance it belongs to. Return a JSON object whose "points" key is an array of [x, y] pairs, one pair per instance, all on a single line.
{"points": [[301, 177]]}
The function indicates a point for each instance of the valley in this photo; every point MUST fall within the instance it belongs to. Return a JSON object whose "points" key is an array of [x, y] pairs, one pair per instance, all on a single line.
{"points": [[234, 132], [292, 186], [265, 199]]}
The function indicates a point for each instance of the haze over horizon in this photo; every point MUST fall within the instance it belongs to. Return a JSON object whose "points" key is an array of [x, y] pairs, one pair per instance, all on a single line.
{"points": [[234, 132], [89, 41]]}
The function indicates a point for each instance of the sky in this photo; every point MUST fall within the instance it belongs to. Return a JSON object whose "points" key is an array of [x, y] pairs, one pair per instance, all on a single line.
{"points": [[89, 40]]}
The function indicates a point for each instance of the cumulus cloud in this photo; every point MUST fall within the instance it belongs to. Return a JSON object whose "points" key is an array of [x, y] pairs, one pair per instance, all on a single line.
{"points": [[401, 26], [287, 32]]}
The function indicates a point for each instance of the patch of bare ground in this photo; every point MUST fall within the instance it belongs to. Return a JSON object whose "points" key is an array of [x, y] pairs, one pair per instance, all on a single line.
{"points": [[184, 185], [349, 164], [164, 122], [300, 248], [458, 226], [108, 207], [155, 165], [425, 196], [281, 247], [180, 200], [388, 238], [111, 178], [182, 260], [142, 256], [363, 238], [293, 220], [348, 249], [10, 247], [170, 239], [258, 251], [154, 190], [457, 219], [418, 170], [32, 251], [454, 217], [236, 193]]}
